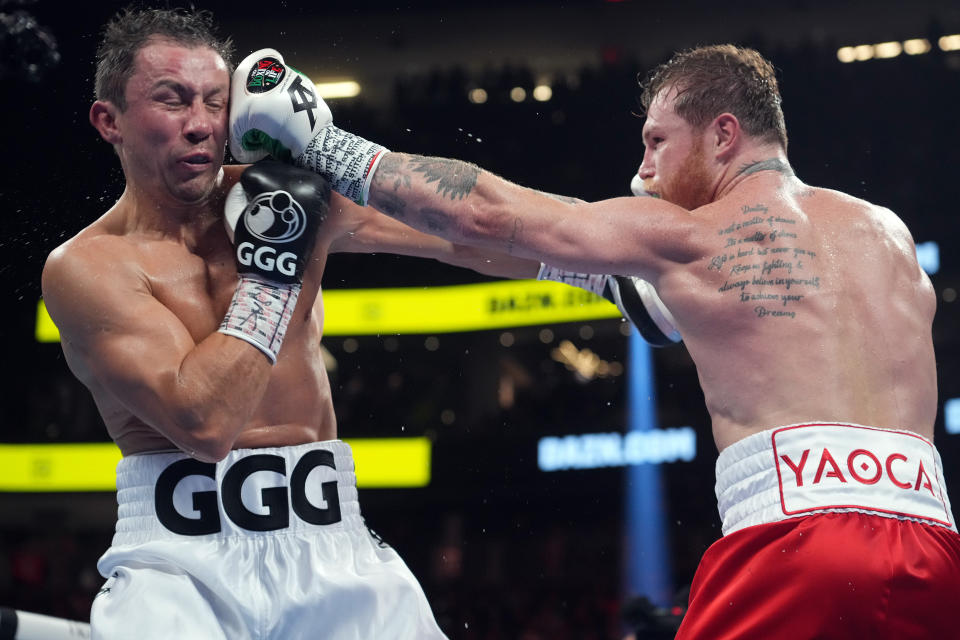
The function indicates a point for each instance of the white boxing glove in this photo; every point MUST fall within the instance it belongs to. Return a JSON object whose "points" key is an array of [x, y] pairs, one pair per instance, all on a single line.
{"points": [[636, 299], [636, 187], [275, 110]]}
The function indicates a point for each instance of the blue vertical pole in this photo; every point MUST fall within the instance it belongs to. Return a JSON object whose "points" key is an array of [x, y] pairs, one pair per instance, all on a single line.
{"points": [[647, 554]]}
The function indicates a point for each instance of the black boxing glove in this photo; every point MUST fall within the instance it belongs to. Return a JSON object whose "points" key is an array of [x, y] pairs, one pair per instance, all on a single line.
{"points": [[272, 215]]}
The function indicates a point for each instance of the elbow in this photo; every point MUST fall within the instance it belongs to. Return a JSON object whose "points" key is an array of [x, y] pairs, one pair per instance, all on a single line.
{"points": [[209, 455], [205, 438], [207, 446]]}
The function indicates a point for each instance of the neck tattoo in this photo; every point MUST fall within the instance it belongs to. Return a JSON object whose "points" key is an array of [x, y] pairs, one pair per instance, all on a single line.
{"points": [[773, 164]]}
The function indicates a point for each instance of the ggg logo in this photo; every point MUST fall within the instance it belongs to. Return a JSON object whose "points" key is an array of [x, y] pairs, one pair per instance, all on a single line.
{"points": [[275, 217], [274, 499], [266, 259]]}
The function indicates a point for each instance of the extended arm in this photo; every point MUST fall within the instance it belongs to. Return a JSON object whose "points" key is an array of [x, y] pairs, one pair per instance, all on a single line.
{"points": [[449, 198], [366, 230], [465, 204]]}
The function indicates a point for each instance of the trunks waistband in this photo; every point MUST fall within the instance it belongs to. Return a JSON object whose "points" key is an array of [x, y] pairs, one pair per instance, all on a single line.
{"points": [[802, 469], [251, 492]]}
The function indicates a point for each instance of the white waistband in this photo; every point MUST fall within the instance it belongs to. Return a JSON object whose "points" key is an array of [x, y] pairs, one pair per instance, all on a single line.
{"points": [[250, 492], [798, 470]]}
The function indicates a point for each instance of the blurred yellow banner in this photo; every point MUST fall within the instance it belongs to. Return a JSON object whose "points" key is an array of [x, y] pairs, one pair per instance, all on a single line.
{"points": [[380, 463], [468, 307]]}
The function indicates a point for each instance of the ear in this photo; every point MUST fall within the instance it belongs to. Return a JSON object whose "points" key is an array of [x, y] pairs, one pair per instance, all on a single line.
{"points": [[103, 117], [725, 135]]}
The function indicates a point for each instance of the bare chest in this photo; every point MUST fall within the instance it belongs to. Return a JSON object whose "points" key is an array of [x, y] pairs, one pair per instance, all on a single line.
{"points": [[197, 289]]}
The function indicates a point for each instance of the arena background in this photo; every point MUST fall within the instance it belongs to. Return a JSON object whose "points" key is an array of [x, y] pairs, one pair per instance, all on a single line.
{"points": [[503, 549]]}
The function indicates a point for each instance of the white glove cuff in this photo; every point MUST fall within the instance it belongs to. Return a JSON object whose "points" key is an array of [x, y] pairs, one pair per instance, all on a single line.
{"points": [[259, 314], [592, 282], [346, 160], [654, 306]]}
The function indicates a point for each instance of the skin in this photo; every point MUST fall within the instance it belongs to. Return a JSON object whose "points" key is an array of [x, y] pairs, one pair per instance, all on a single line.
{"points": [[796, 303], [138, 295]]}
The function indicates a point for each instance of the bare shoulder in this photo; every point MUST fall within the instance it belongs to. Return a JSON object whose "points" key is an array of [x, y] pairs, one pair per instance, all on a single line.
{"points": [[95, 245], [78, 271], [856, 213]]}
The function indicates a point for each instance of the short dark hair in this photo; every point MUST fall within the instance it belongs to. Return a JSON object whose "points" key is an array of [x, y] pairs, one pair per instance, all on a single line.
{"points": [[134, 27], [722, 79]]}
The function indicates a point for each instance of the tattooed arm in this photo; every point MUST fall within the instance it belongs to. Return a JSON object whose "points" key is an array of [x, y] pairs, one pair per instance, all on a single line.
{"points": [[464, 204], [366, 230]]}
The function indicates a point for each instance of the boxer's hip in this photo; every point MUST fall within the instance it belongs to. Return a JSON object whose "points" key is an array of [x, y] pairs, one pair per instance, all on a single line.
{"points": [[267, 543], [803, 469], [250, 493]]}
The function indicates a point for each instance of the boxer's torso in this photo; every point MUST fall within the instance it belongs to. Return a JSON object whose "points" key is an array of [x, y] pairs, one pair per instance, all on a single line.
{"points": [[809, 305], [196, 282]]}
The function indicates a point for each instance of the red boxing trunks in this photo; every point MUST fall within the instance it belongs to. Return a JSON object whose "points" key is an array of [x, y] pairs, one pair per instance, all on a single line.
{"points": [[830, 531]]}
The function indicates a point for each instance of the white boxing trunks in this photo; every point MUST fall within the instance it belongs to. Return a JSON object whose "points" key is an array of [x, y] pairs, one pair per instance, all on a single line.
{"points": [[831, 532], [267, 543]]}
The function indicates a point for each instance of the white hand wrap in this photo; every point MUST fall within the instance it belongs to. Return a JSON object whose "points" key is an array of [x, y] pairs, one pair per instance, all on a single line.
{"points": [[592, 282], [346, 160], [260, 312]]}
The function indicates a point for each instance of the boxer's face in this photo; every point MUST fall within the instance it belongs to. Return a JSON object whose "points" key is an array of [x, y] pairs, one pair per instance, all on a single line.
{"points": [[675, 165], [175, 126]]}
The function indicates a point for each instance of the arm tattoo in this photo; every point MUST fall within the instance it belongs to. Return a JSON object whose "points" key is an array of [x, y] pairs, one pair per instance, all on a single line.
{"points": [[392, 205], [391, 169], [454, 178], [394, 190], [517, 230], [436, 220], [773, 164]]}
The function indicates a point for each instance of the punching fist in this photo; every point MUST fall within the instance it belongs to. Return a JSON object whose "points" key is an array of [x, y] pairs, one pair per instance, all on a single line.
{"points": [[275, 110], [272, 215]]}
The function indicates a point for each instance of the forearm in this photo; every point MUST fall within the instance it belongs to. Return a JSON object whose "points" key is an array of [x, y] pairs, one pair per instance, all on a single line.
{"points": [[452, 199], [213, 394], [230, 369], [370, 231], [491, 263]]}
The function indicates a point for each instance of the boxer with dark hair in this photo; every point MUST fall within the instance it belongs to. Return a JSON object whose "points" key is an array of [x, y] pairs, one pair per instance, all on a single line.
{"points": [[805, 311], [192, 311]]}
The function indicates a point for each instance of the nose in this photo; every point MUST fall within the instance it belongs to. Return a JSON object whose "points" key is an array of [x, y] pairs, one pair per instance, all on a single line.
{"points": [[646, 170], [199, 125]]}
